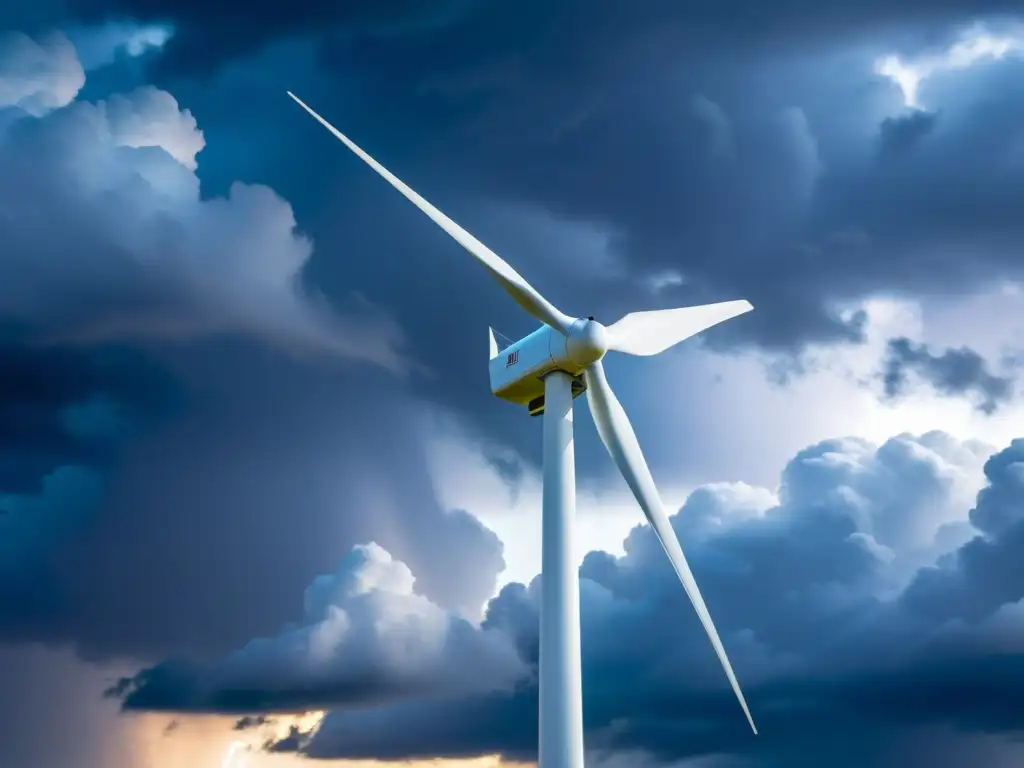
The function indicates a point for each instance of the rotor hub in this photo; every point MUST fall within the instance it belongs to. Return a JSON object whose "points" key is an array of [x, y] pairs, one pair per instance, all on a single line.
{"points": [[587, 342]]}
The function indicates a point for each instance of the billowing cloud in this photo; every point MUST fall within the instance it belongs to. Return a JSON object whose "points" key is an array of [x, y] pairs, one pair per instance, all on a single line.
{"points": [[364, 637], [849, 604], [121, 452], [38, 76], [106, 231], [820, 601], [644, 157]]}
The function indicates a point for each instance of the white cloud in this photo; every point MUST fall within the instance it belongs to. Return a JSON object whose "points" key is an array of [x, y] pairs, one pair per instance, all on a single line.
{"points": [[363, 633], [746, 428], [812, 596], [703, 416], [38, 76], [106, 232], [669, 278], [975, 45]]}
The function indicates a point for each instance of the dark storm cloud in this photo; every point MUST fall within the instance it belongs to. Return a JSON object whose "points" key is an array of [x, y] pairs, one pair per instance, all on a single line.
{"points": [[900, 134], [70, 406], [600, 114], [827, 603], [954, 372], [835, 656], [212, 524], [129, 295], [66, 417], [600, 150], [209, 35], [798, 215], [246, 722]]}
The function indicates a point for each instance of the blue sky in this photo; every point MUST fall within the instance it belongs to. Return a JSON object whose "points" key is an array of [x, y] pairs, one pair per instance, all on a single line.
{"points": [[249, 463]]}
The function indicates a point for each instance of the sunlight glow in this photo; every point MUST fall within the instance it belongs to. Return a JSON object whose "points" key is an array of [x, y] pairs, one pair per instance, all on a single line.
{"points": [[974, 46], [235, 748]]}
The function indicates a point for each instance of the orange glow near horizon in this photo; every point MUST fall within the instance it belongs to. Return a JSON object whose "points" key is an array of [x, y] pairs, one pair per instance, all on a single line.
{"points": [[207, 742]]}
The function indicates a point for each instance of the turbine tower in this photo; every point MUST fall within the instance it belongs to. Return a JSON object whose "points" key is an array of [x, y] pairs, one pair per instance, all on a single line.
{"points": [[545, 371]]}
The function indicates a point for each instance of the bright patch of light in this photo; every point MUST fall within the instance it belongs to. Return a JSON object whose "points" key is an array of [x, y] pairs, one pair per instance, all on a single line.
{"points": [[305, 723], [235, 756], [974, 46], [146, 38], [464, 478], [670, 278]]}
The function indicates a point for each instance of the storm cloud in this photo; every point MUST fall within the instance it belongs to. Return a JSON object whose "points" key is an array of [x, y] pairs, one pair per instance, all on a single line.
{"points": [[146, 345], [223, 341], [952, 372], [139, 252], [864, 600], [363, 633]]}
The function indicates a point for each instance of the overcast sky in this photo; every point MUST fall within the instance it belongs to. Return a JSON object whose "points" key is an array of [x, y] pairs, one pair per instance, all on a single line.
{"points": [[257, 503]]}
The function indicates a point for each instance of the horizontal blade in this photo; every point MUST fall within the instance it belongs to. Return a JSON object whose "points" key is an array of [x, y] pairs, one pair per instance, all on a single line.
{"points": [[617, 434], [524, 294], [648, 333]]}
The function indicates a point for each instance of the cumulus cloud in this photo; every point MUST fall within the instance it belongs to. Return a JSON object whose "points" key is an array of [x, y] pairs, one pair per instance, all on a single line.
{"points": [[38, 76], [365, 637], [828, 603], [106, 231], [851, 601], [227, 443]]}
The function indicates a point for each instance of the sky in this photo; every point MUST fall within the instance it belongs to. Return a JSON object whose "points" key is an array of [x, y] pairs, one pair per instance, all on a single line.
{"points": [[258, 506]]}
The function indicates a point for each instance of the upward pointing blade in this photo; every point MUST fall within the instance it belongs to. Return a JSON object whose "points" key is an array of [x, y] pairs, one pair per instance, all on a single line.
{"points": [[520, 290], [617, 434]]}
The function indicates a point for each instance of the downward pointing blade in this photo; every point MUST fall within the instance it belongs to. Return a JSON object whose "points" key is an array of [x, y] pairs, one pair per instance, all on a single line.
{"points": [[617, 434], [520, 290]]}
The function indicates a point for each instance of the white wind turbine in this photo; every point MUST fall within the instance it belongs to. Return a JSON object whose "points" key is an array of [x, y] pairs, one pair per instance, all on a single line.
{"points": [[545, 371]]}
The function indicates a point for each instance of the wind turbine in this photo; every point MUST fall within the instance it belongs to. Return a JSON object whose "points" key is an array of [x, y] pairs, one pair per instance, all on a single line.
{"points": [[545, 371]]}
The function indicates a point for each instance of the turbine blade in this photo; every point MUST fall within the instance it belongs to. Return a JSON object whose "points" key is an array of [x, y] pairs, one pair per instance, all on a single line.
{"points": [[648, 333], [520, 290], [617, 434]]}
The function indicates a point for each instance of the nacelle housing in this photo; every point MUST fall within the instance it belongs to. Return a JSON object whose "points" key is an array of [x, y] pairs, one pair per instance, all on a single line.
{"points": [[517, 372]]}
